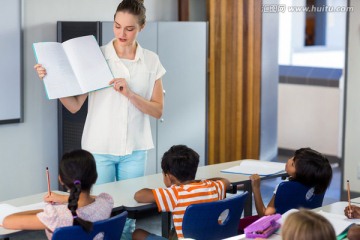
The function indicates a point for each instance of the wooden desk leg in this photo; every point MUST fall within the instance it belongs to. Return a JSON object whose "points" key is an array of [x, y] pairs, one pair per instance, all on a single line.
{"points": [[165, 224], [248, 202]]}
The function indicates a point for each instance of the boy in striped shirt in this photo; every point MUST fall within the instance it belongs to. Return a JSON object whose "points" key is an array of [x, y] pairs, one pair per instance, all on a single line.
{"points": [[179, 165]]}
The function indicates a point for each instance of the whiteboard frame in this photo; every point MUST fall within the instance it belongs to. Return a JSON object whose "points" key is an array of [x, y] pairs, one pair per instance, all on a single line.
{"points": [[11, 92]]}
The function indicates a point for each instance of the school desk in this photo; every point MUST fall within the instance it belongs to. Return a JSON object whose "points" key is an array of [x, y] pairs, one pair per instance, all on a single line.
{"points": [[123, 192]]}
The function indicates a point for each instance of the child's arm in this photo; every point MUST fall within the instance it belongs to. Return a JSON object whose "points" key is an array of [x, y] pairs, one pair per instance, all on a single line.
{"points": [[224, 180], [24, 221], [259, 204], [144, 195]]}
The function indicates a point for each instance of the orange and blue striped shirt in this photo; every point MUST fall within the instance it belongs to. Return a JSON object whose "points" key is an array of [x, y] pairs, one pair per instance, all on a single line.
{"points": [[176, 199]]}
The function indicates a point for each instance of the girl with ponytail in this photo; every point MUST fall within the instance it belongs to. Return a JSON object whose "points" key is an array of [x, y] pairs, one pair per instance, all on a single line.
{"points": [[77, 172]]}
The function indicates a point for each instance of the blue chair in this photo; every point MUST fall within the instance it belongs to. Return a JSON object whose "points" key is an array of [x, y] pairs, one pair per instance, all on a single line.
{"points": [[292, 194], [201, 221], [112, 229]]}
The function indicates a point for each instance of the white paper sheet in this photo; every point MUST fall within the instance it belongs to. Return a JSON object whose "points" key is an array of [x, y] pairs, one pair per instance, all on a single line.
{"points": [[339, 222], [263, 168], [7, 209]]}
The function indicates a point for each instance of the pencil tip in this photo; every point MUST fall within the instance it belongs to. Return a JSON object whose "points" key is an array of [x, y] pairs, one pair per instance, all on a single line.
{"points": [[48, 169]]}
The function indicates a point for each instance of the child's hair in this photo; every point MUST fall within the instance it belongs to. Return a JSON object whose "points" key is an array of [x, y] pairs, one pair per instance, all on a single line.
{"points": [[78, 173], [135, 7], [181, 162], [308, 225], [312, 169]]}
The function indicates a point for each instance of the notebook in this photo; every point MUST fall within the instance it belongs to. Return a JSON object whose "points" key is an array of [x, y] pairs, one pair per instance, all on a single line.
{"points": [[7, 209], [251, 166]]}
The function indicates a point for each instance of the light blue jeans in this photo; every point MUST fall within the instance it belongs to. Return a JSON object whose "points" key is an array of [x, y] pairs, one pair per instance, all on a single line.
{"points": [[112, 168]]}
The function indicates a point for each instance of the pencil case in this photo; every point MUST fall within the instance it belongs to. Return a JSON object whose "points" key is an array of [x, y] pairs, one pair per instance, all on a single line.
{"points": [[263, 227]]}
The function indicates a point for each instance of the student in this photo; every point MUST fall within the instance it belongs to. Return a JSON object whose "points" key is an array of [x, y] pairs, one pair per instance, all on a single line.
{"points": [[308, 225], [77, 172], [354, 231], [307, 166], [179, 165]]}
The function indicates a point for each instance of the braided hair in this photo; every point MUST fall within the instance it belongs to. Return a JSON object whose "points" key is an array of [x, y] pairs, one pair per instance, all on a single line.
{"points": [[78, 173], [135, 7]]}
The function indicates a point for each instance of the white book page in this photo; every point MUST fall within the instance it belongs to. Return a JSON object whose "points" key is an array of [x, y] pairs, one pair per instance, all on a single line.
{"points": [[35, 206], [339, 222], [6, 210], [88, 62], [263, 168], [60, 80]]}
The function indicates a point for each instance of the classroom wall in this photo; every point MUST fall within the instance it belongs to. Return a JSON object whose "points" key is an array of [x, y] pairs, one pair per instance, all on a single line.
{"points": [[26, 149], [309, 117], [352, 107]]}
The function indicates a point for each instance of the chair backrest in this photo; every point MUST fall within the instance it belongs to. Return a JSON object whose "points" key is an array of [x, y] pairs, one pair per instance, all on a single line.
{"points": [[201, 221], [112, 228], [292, 194]]}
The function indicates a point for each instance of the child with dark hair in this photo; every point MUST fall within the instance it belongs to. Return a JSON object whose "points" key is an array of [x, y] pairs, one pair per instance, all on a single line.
{"points": [[78, 174], [179, 165], [307, 166]]}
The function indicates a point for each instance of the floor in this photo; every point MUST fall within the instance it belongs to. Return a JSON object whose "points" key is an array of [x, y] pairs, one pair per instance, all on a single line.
{"points": [[152, 222]]}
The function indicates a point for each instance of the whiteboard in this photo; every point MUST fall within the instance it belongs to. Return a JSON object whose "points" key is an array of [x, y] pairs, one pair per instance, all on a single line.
{"points": [[10, 62]]}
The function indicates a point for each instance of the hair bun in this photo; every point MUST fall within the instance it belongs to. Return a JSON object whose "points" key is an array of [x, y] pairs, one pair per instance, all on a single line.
{"points": [[140, 1]]}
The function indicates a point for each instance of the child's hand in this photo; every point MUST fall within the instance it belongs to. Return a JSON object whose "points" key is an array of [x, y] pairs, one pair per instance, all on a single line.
{"points": [[354, 212], [56, 198], [255, 181]]}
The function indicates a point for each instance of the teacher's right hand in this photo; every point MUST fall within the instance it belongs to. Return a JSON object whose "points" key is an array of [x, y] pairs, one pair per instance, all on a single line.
{"points": [[40, 70]]}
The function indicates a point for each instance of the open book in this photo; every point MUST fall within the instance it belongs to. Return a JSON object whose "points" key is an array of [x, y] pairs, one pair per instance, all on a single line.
{"points": [[263, 168], [74, 67], [340, 222], [7, 209]]}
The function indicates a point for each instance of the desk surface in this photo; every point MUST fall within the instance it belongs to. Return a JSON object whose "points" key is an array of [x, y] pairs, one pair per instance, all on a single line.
{"points": [[123, 191], [18, 202]]}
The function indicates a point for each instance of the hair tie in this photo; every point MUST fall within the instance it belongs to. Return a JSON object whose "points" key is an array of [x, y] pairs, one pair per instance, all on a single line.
{"points": [[77, 182], [75, 217]]}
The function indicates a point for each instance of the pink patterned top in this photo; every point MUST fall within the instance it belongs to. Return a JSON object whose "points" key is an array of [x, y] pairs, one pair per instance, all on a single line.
{"points": [[55, 216]]}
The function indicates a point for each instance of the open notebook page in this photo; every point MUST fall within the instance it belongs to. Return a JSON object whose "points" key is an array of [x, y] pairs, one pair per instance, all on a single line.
{"points": [[263, 168], [339, 222], [7, 209]]}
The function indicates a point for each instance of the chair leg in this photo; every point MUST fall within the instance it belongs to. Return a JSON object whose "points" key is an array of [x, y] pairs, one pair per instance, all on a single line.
{"points": [[166, 224]]}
